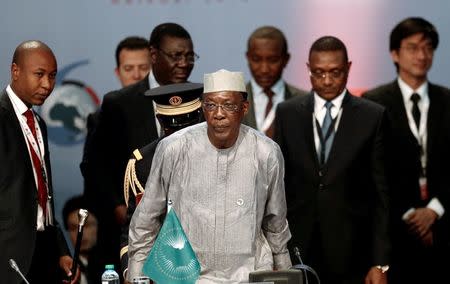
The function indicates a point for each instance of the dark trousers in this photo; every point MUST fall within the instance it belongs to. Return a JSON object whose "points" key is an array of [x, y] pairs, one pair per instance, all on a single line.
{"points": [[45, 263], [315, 258], [413, 263]]}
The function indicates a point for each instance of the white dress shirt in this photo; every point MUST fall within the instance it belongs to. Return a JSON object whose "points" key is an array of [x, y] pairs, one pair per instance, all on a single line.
{"points": [[421, 133], [320, 111], [260, 101], [19, 109]]}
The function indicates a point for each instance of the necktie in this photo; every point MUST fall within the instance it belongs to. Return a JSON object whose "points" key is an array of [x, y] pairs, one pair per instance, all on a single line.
{"points": [[269, 93], [327, 131], [415, 98], [38, 167]]}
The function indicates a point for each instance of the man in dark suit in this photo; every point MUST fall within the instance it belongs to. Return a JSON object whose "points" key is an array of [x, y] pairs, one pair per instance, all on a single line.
{"points": [[127, 121], [132, 60], [132, 65], [267, 56], [418, 156], [335, 184], [28, 232]]}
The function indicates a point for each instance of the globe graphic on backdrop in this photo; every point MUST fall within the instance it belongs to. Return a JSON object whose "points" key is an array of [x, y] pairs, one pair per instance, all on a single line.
{"points": [[65, 111]]}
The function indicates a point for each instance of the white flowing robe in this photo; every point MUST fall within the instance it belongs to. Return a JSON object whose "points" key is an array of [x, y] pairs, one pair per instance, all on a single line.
{"points": [[230, 202]]}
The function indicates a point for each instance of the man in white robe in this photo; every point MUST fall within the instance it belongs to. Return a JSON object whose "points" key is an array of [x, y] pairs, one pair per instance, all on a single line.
{"points": [[226, 182]]}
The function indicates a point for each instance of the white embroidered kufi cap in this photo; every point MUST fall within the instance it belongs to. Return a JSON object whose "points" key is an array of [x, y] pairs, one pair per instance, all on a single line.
{"points": [[224, 80]]}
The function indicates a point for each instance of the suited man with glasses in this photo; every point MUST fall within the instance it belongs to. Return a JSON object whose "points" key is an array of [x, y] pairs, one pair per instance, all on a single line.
{"points": [[419, 119], [335, 184], [127, 121]]}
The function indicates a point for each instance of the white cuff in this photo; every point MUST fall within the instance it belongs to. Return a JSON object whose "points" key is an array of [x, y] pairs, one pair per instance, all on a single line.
{"points": [[436, 206], [124, 274]]}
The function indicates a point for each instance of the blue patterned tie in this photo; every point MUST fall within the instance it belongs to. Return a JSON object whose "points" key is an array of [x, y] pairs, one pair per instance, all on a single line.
{"points": [[327, 132]]}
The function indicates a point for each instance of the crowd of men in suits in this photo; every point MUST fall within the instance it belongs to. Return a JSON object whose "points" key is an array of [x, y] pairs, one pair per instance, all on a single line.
{"points": [[364, 177]]}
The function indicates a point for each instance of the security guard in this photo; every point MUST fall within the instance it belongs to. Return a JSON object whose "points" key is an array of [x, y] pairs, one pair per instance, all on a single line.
{"points": [[177, 106]]}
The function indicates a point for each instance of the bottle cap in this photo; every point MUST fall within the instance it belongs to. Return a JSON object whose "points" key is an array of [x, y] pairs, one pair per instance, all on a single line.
{"points": [[109, 266]]}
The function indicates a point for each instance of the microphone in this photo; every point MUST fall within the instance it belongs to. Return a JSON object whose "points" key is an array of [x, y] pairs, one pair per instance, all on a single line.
{"points": [[14, 266], [297, 254], [82, 216], [303, 267]]}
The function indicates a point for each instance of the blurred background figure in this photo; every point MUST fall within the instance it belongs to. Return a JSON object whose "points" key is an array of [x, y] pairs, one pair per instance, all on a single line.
{"points": [[418, 156], [89, 261], [267, 56], [133, 60], [133, 65]]}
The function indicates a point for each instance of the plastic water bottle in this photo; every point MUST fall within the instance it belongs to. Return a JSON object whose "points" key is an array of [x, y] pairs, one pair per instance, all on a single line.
{"points": [[110, 276]]}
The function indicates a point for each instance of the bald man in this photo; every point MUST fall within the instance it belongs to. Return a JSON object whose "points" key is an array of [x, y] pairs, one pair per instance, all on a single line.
{"points": [[28, 233]]}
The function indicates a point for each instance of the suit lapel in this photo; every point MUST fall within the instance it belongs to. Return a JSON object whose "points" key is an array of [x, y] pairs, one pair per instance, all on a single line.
{"points": [[435, 113], [144, 105], [6, 103], [43, 128], [345, 129], [250, 118], [306, 111], [287, 92], [16, 133], [398, 112]]}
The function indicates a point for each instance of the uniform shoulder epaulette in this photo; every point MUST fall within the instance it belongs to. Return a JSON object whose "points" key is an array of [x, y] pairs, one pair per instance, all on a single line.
{"points": [[131, 181]]}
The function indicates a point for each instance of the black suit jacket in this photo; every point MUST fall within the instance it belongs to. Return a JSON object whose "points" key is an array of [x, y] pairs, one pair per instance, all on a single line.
{"points": [[91, 125], [250, 119], [18, 197], [403, 158], [142, 168], [126, 122], [346, 200]]}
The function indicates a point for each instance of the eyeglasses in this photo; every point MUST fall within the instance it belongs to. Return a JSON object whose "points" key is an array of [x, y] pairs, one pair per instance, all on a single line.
{"points": [[333, 74], [414, 49], [210, 107], [176, 58]]}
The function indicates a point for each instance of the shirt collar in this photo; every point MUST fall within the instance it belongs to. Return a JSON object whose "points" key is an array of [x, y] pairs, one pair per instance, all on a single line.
{"points": [[152, 80], [407, 91], [18, 104], [277, 88], [319, 102]]}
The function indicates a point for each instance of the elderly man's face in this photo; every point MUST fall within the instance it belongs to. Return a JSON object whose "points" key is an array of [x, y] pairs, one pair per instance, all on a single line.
{"points": [[173, 61], [223, 112]]}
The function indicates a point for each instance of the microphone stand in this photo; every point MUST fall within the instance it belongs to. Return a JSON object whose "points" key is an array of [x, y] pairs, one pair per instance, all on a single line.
{"points": [[82, 216], [305, 268]]}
